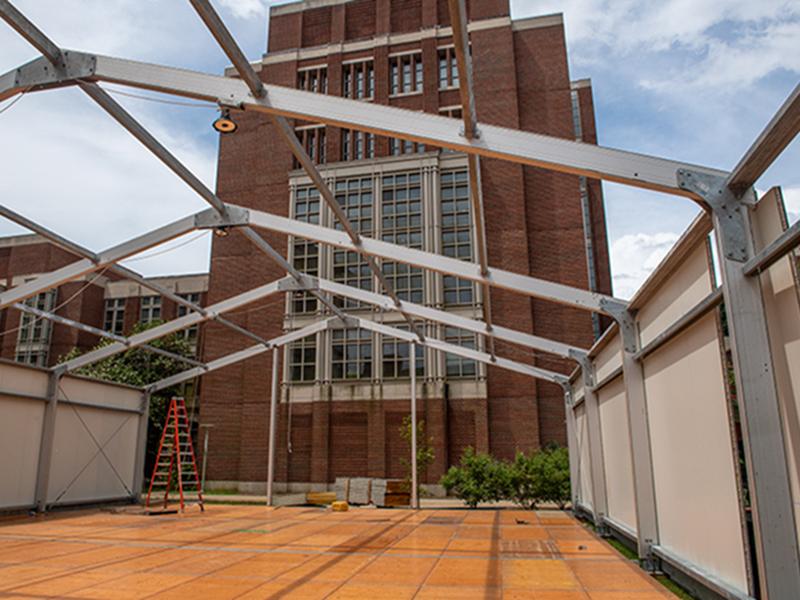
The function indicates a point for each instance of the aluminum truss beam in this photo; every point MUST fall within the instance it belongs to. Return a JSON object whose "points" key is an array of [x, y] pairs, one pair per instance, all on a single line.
{"points": [[523, 284], [120, 270], [113, 108], [778, 134], [241, 355], [30, 32], [226, 41], [427, 313], [172, 326], [567, 156], [468, 353], [41, 314], [458, 18], [784, 244], [110, 256]]}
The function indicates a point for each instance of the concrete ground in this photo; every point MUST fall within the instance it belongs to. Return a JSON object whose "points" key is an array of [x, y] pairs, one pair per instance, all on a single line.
{"points": [[255, 552]]}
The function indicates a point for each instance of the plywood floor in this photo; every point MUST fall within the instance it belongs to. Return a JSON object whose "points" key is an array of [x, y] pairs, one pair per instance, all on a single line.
{"points": [[254, 552]]}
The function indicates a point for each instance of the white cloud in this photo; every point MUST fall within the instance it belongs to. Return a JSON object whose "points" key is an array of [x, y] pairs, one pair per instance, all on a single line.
{"points": [[246, 9], [635, 256], [791, 198]]}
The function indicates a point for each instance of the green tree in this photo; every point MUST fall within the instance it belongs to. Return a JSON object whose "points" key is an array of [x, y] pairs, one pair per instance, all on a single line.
{"points": [[425, 452], [140, 367]]}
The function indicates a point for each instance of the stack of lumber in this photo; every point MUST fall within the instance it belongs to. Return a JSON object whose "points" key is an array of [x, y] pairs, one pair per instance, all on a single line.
{"points": [[321, 498]]}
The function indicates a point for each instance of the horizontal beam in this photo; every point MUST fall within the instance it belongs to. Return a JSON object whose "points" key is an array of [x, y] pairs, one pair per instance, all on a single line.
{"points": [[695, 313], [107, 257], [172, 326], [524, 284], [99, 333], [467, 353], [785, 243], [241, 355], [123, 271], [777, 135], [522, 147], [427, 313]]}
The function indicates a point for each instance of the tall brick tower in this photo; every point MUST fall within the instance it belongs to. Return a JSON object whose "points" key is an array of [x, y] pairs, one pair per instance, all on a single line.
{"points": [[345, 393]]}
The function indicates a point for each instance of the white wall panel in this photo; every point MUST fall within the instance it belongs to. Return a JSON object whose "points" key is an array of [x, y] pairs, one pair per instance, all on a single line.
{"points": [[697, 495], [617, 452], [782, 303], [20, 432], [687, 286], [609, 358]]}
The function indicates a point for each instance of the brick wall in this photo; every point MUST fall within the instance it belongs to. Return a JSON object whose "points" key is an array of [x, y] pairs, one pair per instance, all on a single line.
{"points": [[534, 226]]}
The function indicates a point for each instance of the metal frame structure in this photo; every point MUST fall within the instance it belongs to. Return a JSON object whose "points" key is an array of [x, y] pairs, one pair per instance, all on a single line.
{"points": [[727, 196]]}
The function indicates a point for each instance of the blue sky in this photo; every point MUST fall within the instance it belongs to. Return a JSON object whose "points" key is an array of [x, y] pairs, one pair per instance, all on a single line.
{"points": [[694, 80]]}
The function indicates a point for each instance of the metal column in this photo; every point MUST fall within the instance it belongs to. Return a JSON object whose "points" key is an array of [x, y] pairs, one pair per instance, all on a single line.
{"points": [[46, 444], [273, 417], [414, 483], [141, 448], [597, 466], [776, 545]]}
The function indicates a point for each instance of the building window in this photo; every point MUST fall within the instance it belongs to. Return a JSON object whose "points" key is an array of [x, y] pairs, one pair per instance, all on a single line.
{"points": [[357, 145], [576, 116], [358, 80], [448, 68], [401, 207], [305, 254], [190, 334], [456, 366], [33, 341], [398, 147], [452, 112], [149, 309], [303, 359], [355, 196], [395, 355], [115, 316], [456, 233], [312, 138], [351, 354], [405, 74], [313, 79]]}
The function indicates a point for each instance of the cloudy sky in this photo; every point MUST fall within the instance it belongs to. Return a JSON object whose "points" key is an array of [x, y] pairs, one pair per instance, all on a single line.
{"points": [[694, 80]]}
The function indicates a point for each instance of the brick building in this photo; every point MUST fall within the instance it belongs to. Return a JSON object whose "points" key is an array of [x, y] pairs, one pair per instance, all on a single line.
{"points": [[345, 393], [102, 300]]}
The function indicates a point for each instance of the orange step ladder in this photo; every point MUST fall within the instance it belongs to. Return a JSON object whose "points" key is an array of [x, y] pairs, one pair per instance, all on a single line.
{"points": [[175, 453]]}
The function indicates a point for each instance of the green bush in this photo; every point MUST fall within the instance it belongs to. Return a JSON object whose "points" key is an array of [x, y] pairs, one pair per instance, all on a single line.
{"points": [[528, 481], [478, 478]]}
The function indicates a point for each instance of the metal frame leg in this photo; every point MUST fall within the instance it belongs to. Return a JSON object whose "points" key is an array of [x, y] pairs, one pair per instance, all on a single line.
{"points": [[412, 359], [47, 442], [273, 417]]}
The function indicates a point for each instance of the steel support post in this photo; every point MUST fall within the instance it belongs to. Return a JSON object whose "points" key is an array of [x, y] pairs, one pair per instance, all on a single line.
{"points": [[141, 447], [776, 545], [205, 457], [595, 437], [47, 442], [572, 446], [641, 450], [273, 418], [412, 360]]}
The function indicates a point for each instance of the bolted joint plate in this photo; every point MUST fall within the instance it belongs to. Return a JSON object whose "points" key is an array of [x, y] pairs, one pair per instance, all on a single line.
{"points": [[40, 74], [727, 208], [305, 284], [625, 319], [211, 219]]}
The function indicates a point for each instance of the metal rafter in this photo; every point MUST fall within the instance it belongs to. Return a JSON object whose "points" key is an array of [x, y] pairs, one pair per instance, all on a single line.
{"points": [[42, 314], [226, 41], [174, 325], [120, 270], [108, 257], [30, 32], [458, 19], [538, 150], [778, 134], [524, 284]]}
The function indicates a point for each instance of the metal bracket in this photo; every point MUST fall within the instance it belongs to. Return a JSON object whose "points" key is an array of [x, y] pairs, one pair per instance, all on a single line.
{"points": [[40, 74], [727, 208], [211, 219], [625, 319]]}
